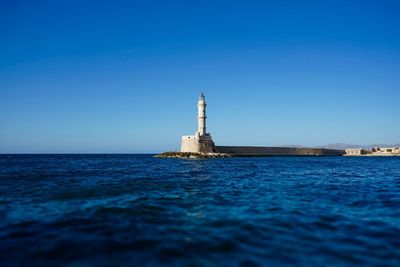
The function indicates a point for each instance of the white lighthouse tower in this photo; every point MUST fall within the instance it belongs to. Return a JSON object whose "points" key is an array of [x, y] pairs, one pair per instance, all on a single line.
{"points": [[201, 142], [201, 105]]}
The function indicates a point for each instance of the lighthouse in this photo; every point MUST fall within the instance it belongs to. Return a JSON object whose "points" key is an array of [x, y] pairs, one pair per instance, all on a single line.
{"points": [[201, 106], [201, 141], [201, 145]]}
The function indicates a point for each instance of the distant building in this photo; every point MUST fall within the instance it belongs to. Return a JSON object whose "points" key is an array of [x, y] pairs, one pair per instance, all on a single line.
{"points": [[386, 150], [376, 151], [356, 151]]}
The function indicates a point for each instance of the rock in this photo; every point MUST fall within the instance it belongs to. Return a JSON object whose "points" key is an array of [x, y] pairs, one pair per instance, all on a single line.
{"points": [[192, 155]]}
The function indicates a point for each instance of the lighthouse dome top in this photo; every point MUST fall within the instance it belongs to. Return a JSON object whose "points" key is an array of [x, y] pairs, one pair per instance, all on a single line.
{"points": [[202, 97]]}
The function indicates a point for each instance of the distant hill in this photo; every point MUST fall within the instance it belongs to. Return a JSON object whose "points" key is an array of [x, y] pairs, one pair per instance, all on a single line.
{"points": [[342, 146], [292, 145], [345, 146]]}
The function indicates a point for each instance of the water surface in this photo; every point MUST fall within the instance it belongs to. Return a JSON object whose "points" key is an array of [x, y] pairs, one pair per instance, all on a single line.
{"points": [[129, 210]]}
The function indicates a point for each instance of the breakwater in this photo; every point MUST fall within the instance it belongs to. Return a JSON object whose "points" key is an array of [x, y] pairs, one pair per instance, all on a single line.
{"points": [[277, 151]]}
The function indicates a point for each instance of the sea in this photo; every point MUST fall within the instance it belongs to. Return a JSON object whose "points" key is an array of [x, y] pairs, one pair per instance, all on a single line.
{"points": [[137, 210]]}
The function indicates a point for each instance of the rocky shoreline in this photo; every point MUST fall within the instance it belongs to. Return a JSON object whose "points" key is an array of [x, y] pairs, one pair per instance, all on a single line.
{"points": [[192, 155]]}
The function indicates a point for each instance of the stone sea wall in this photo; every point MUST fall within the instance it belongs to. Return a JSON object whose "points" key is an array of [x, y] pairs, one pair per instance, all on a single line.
{"points": [[277, 151]]}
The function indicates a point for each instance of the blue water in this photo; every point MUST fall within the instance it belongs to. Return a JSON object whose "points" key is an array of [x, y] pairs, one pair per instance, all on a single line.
{"points": [[136, 210]]}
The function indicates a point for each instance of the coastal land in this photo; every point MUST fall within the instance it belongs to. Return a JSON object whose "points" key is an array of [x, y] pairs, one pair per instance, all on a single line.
{"points": [[201, 145], [254, 151]]}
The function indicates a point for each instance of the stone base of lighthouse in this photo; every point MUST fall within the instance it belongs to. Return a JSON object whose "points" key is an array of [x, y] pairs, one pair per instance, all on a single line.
{"points": [[197, 144]]}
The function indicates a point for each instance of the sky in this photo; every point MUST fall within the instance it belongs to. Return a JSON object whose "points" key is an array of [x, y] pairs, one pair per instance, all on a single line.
{"points": [[125, 76]]}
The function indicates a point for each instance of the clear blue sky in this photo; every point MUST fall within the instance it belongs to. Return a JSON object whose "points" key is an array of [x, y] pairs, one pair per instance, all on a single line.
{"points": [[124, 76]]}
